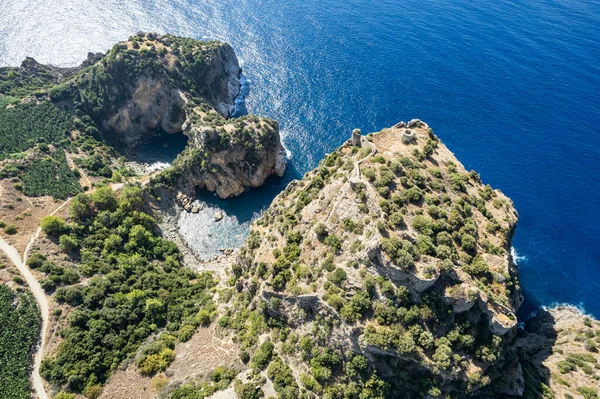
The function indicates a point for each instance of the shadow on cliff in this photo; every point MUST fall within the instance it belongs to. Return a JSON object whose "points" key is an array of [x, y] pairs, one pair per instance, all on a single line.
{"points": [[248, 205], [534, 345], [162, 148]]}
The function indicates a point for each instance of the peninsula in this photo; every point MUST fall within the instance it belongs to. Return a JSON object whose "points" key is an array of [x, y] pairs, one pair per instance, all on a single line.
{"points": [[385, 272]]}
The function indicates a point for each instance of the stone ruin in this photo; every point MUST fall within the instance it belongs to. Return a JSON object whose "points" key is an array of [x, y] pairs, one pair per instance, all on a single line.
{"points": [[408, 136], [356, 141]]}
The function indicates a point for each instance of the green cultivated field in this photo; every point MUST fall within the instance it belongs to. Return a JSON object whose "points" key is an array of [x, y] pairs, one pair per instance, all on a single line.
{"points": [[24, 125], [50, 176], [19, 326]]}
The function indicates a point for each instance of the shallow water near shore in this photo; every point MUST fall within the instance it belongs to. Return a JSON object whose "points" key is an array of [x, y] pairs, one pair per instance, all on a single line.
{"points": [[208, 237], [512, 88]]}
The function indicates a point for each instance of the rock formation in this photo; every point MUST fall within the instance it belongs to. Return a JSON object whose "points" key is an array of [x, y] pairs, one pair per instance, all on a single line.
{"points": [[559, 352], [390, 256], [155, 84]]}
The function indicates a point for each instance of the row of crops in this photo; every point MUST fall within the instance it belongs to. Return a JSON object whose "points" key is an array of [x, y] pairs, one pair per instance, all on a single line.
{"points": [[19, 329], [51, 176], [24, 125]]}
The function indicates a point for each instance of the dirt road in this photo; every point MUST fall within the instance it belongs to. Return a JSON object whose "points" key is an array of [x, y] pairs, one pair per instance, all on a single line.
{"points": [[42, 302]]}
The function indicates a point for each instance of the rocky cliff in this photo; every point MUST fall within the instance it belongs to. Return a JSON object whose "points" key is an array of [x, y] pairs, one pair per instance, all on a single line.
{"points": [[155, 84], [226, 156], [559, 353], [141, 85], [385, 272]]}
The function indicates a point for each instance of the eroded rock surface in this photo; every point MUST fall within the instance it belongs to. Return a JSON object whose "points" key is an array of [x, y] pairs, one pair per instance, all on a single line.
{"points": [[151, 84], [389, 255]]}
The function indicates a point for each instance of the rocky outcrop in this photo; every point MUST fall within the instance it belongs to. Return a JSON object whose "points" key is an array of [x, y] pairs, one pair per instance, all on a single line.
{"points": [[141, 85], [153, 84], [232, 170], [228, 163], [558, 347], [153, 106], [405, 256]]}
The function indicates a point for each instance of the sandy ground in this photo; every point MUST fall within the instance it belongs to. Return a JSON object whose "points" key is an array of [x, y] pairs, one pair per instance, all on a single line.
{"points": [[194, 360]]}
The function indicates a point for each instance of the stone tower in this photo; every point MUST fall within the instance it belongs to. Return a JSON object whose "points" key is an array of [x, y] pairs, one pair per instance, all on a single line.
{"points": [[356, 138]]}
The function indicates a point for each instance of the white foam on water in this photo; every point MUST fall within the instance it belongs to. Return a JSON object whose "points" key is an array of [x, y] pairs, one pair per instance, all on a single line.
{"points": [[579, 308], [156, 166], [516, 257]]}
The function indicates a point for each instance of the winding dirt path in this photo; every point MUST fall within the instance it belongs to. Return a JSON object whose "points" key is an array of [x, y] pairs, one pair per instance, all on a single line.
{"points": [[42, 302], [40, 297]]}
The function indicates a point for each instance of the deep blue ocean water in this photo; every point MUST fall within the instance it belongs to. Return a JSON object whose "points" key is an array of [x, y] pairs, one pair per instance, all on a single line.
{"points": [[512, 87]]}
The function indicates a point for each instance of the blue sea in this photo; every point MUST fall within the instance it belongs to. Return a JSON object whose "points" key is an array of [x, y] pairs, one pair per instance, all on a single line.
{"points": [[512, 87]]}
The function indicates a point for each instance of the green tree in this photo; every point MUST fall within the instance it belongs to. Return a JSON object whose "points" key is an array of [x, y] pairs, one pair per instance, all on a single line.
{"points": [[263, 355], [104, 199], [53, 225], [68, 243], [139, 236], [131, 198], [81, 207]]}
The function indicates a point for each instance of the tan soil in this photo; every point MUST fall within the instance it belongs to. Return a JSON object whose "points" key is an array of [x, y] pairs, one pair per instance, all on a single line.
{"points": [[194, 360]]}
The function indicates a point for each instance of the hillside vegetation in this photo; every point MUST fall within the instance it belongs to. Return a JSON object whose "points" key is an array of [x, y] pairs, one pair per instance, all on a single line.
{"points": [[22, 125], [383, 273], [135, 288], [50, 176]]}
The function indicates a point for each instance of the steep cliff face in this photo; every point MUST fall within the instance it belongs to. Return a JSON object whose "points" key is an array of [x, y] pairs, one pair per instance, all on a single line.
{"points": [[153, 84], [140, 86], [386, 271], [559, 352], [161, 83], [154, 101], [225, 156]]}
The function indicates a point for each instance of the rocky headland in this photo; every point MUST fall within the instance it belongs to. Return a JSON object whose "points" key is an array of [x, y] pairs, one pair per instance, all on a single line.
{"points": [[393, 253], [385, 272], [156, 84]]}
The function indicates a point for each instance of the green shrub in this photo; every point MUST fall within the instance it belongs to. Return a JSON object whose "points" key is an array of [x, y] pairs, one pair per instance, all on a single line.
{"points": [[104, 199], [338, 276], [223, 374], [396, 249], [413, 194], [283, 378], [186, 332], [321, 231], [478, 266], [588, 392], [10, 229], [68, 243], [424, 245], [53, 225], [262, 356], [468, 242], [157, 356], [247, 391], [396, 219], [334, 242], [356, 307]]}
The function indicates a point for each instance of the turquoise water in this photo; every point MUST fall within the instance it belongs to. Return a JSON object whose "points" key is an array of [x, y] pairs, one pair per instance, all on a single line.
{"points": [[512, 87]]}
